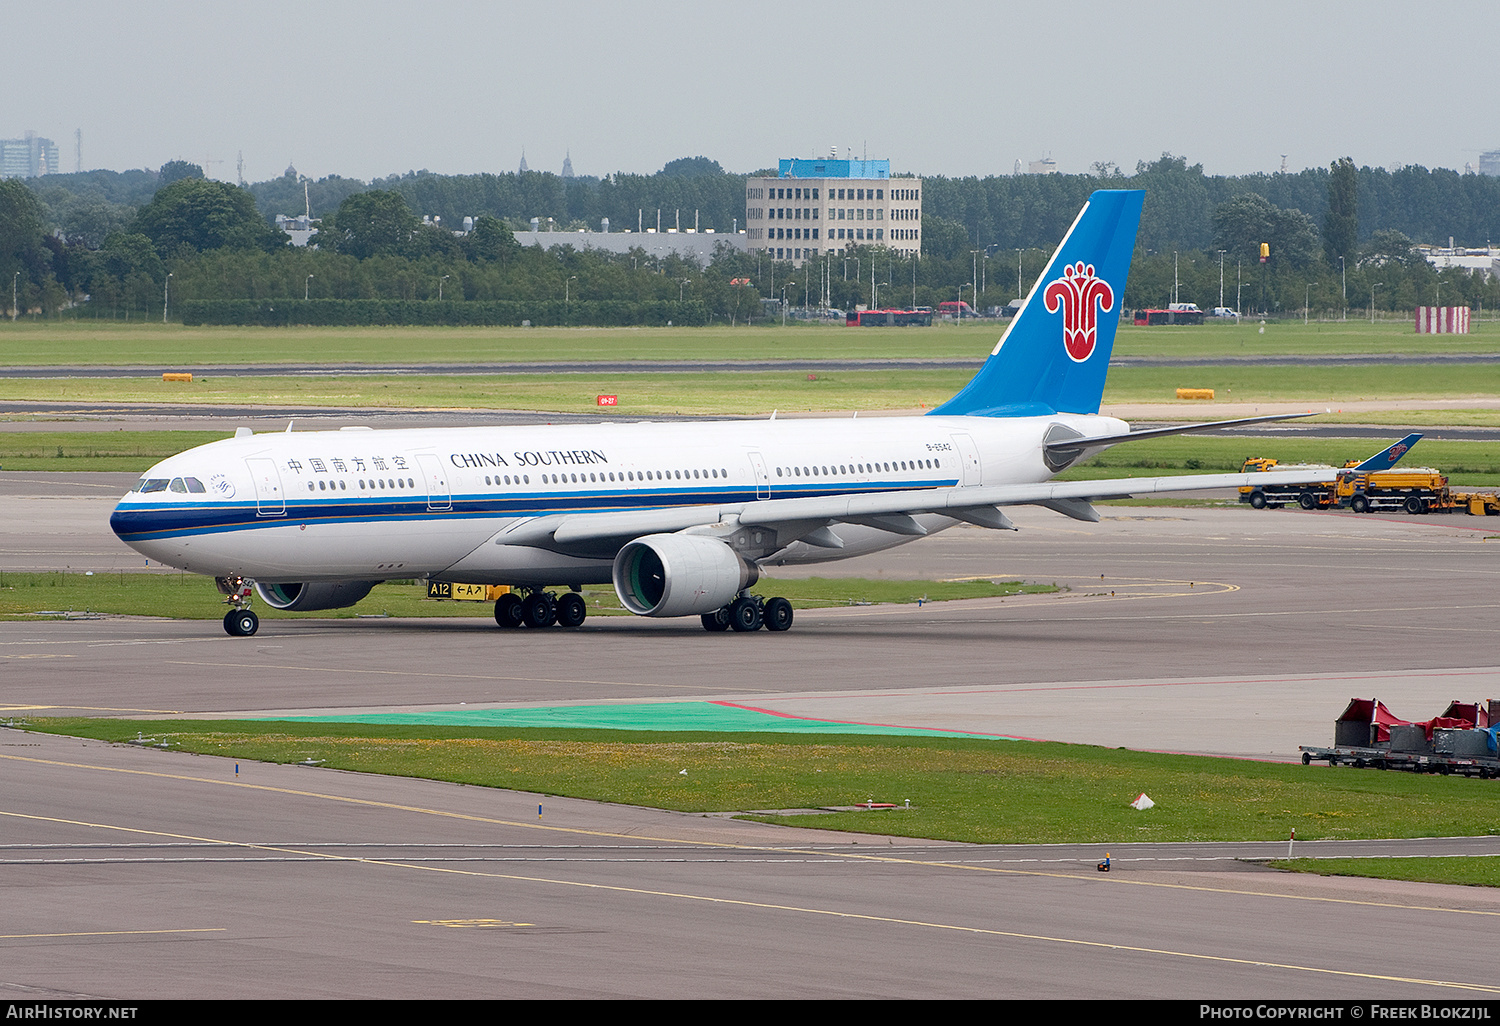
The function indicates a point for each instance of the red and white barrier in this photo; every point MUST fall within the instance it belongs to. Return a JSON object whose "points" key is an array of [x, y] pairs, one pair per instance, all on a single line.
{"points": [[1442, 320]]}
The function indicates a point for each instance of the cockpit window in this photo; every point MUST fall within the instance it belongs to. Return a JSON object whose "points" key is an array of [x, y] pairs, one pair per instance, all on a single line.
{"points": [[178, 485], [154, 484], [194, 485]]}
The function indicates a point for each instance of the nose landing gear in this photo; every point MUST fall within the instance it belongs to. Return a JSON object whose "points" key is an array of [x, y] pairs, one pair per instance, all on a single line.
{"points": [[239, 622]]}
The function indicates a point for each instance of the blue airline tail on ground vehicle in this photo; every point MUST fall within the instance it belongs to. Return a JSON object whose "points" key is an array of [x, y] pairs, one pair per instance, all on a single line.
{"points": [[680, 517], [1387, 458]]}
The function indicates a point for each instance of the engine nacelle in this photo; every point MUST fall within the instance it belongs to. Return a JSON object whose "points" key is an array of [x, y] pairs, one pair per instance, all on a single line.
{"points": [[301, 598], [679, 575]]}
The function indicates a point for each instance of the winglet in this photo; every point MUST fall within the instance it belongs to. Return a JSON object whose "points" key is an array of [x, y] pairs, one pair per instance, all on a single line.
{"points": [[1055, 354], [1387, 458]]}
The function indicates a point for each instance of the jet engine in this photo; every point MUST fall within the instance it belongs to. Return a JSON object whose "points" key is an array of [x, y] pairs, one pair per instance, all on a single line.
{"points": [[302, 598], [679, 575]]}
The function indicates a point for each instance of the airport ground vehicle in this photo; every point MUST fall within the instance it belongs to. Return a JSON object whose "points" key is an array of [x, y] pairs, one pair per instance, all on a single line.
{"points": [[1414, 490], [1316, 494], [957, 309], [919, 316], [1175, 313], [1459, 740], [1312, 495]]}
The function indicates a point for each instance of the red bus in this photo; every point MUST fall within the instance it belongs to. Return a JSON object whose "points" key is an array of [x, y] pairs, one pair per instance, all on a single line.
{"points": [[921, 316]]}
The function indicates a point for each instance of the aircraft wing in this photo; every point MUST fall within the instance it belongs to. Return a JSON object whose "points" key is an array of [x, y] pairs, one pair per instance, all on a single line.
{"points": [[892, 511]]}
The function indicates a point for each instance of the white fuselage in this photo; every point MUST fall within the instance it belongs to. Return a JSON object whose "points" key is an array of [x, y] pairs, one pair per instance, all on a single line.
{"points": [[464, 503]]}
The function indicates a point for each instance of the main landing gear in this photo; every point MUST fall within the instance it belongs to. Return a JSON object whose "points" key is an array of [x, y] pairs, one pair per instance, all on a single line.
{"points": [[239, 622], [750, 613], [539, 608]]}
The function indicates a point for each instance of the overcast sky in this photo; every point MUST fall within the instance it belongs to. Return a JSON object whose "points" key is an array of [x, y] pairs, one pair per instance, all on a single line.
{"points": [[953, 87]]}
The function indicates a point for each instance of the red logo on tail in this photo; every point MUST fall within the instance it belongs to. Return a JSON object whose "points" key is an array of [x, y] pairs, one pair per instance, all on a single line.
{"points": [[1076, 294]]}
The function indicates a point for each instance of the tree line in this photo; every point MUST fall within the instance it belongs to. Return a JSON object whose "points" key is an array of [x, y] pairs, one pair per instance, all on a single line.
{"points": [[1340, 238]]}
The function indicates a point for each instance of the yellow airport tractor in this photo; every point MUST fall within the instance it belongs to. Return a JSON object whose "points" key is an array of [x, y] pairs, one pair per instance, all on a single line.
{"points": [[1416, 490]]}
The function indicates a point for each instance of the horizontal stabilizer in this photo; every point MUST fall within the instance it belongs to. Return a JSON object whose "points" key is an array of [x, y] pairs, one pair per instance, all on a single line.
{"points": [[1071, 445]]}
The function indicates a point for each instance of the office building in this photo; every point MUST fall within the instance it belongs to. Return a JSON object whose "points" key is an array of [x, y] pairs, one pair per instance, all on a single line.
{"points": [[30, 157], [818, 208]]}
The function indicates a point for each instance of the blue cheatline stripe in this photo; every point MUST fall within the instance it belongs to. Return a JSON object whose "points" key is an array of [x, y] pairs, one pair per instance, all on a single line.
{"points": [[163, 520], [673, 716]]}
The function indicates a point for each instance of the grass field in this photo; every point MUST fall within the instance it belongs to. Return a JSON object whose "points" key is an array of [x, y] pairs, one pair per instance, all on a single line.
{"points": [[30, 596], [1482, 872], [760, 392], [960, 789], [115, 343]]}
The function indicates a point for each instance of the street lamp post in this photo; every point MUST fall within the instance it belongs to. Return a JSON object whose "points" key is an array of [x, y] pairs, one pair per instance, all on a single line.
{"points": [[166, 286], [568, 288], [1373, 287], [680, 283], [13, 300], [306, 285], [1344, 282], [440, 286], [1306, 301], [1221, 279], [784, 287]]}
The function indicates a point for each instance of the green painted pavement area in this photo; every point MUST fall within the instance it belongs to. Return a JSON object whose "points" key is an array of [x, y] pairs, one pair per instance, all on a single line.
{"points": [[675, 716]]}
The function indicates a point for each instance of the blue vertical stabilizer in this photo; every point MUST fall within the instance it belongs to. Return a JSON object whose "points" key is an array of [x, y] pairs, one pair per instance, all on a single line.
{"points": [[1054, 356]]}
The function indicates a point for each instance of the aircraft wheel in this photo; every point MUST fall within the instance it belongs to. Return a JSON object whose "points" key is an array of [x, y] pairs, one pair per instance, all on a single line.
{"points": [[716, 621], [1360, 504], [1257, 499], [241, 623], [1307, 500], [538, 610], [571, 610], [508, 610], [745, 615], [778, 615]]}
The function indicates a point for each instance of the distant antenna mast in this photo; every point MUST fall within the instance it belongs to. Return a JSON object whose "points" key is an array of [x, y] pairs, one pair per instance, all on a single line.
{"points": [[78, 149], [1283, 163], [306, 203], [239, 169]]}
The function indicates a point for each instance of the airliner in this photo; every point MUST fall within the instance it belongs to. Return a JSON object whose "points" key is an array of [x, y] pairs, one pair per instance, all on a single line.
{"points": [[680, 517]]}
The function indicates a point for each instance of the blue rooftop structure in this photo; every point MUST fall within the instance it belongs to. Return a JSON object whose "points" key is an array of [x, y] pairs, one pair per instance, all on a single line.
{"points": [[795, 168]]}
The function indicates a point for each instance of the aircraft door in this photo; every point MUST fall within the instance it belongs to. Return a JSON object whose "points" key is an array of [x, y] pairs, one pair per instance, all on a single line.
{"points": [[972, 471], [438, 495], [270, 501], [762, 478]]}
